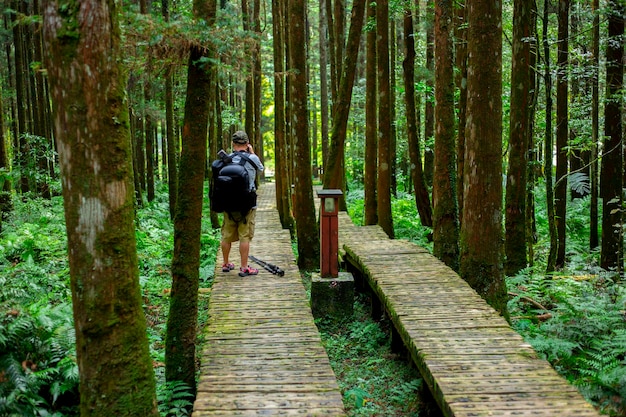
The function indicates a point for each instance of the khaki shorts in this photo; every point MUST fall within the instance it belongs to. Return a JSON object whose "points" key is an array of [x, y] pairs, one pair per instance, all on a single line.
{"points": [[241, 230]]}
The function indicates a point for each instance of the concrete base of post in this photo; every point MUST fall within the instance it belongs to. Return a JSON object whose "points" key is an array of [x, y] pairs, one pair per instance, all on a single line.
{"points": [[332, 297]]}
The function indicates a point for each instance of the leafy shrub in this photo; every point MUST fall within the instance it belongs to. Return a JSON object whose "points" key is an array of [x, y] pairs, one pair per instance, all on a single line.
{"points": [[38, 369], [373, 380]]}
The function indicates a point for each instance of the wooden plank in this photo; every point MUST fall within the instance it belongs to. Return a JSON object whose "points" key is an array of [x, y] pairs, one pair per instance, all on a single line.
{"points": [[471, 359], [262, 353]]}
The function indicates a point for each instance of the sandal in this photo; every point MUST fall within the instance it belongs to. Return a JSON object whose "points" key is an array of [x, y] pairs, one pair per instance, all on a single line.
{"points": [[244, 272], [228, 267]]}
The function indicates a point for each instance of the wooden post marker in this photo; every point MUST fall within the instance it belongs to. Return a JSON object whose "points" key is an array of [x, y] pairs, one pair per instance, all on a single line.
{"points": [[329, 233], [332, 292]]}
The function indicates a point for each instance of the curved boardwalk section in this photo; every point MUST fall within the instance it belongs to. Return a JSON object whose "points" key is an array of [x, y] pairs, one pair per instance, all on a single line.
{"points": [[473, 362], [262, 353]]}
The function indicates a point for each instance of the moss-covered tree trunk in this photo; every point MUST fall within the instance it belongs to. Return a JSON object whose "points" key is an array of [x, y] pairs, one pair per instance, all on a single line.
{"points": [[611, 187], [5, 183], [519, 137], [383, 186], [594, 239], [92, 131], [460, 28], [304, 212], [422, 199], [446, 223], [180, 345], [481, 255], [334, 174], [562, 132], [371, 126], [283, 181], [429, 110], [548, 142]]}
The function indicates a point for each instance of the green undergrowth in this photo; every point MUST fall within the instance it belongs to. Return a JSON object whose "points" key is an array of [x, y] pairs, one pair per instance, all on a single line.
{"points": [[575, 318], [374, 381], [38, 370]]}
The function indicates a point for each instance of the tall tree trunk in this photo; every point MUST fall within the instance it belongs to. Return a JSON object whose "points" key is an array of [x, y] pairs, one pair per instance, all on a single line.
{"points": [[371, 127], [393, 146], [283, 184], [579, 155], [562, 132], [10, 85], [334, 174], [307, 227], [88, 88], [533, 154], [445, 222], [133, 134], [40, 107], [461, 84], [257, 77], [5, 184], [383, 187], [140, 150], [172, 143], [519, 137], [481, 251], [594, 240], [549, 148], [324, 111], [249, 90], [180, 345], [611, 186], [150, 141], [21, 70], [422, 199], [429, 112]]}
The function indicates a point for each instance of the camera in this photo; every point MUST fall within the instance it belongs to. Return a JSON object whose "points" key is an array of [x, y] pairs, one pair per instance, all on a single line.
{"points": [[224, 156]]}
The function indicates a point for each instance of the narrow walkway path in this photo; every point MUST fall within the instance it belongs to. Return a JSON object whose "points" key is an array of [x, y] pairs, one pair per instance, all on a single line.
{"points": [[262, 353], [473, 362]]}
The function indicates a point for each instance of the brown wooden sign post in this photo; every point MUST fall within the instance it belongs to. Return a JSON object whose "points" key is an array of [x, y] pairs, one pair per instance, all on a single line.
{"points": [[329, 233]]}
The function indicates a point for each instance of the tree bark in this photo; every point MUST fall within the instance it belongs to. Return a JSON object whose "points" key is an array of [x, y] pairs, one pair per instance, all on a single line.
{"points": [[562, 132], [549, 147], [445, 224], [172, 143], [92, 129], [324, 111], [611, 187], [180, 345], [21, 68], [371, 127], [283, 182], [5, 183], [461, 84], [334, 174], [257, 76], [594, 240], [481, 251], [429, 111], [306, 222], [383, 188], [519, 137]]}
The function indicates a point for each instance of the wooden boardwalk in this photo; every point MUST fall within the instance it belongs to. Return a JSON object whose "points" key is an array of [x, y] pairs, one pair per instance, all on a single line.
{"points": [[262, 353], [473, 362]]}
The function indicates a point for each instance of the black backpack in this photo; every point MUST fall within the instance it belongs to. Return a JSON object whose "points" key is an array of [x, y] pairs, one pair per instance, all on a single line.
{"points": [[231, 190]]}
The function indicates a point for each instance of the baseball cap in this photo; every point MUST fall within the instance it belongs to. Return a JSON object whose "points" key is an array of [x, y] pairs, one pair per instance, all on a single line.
{"points": [[240, 137]]}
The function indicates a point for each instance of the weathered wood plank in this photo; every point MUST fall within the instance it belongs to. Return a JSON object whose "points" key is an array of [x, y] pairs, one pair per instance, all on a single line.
{"points": [[262, 353], [473, 362]]}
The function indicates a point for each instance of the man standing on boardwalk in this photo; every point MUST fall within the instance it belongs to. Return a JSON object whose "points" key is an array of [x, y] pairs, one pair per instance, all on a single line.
{"points": [[236, 227]]}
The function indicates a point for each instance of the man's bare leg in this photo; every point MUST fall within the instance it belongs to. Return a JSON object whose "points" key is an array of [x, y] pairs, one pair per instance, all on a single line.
{"points": [[225, 250], [244, 250]]}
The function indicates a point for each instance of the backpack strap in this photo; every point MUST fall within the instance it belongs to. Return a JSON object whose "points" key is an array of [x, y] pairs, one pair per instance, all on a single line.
{"points": [[245, 158]]}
